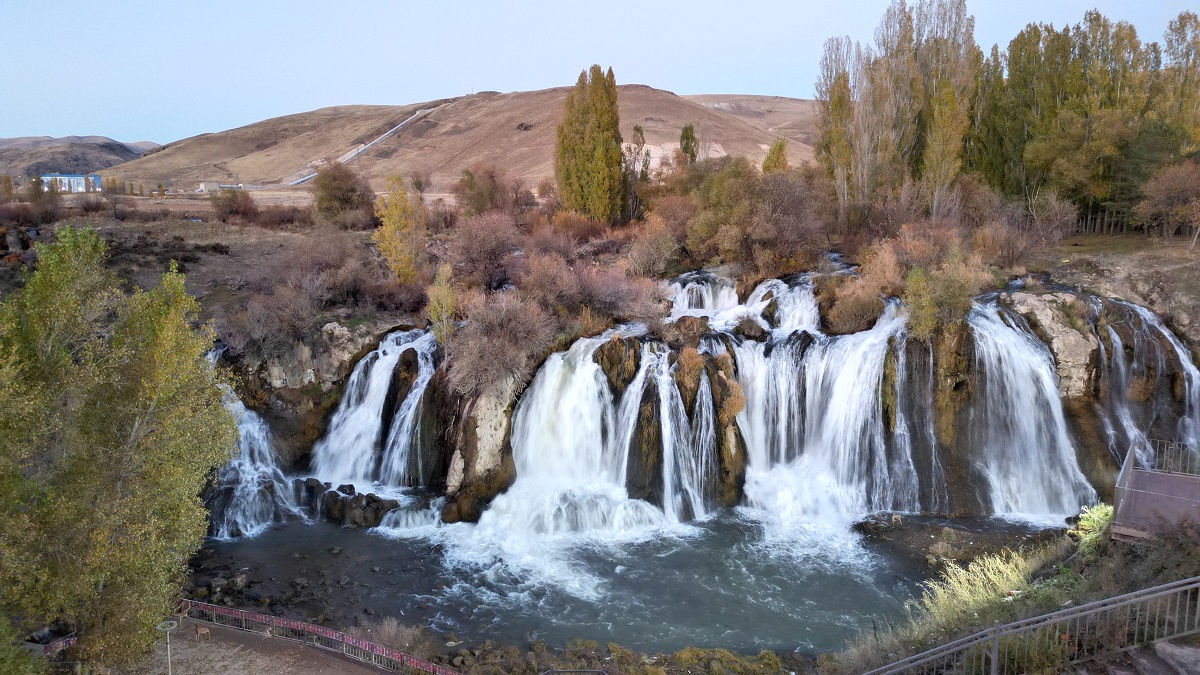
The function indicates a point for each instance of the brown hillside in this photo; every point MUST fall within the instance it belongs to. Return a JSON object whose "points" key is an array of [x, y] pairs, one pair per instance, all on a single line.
{"points": [[40, 155], [513, 131], [793, 118]]}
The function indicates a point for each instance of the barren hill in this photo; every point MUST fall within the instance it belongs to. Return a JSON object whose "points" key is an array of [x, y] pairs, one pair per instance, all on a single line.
{"points": [[39, 155], [513, 131]]}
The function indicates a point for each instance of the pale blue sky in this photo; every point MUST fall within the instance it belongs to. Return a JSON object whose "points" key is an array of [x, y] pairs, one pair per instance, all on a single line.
{"points": [[162, 70]]}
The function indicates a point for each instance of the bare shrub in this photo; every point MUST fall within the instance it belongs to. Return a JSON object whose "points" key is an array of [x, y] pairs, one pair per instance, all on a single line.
{"points": [[338, 189], [653, 249], [288, 292], [612, 293], [580, 227], [548, 280], [675, 211], [924, 243], [356, 220], [439, 216], [90, 204], [480, 247], [544, 239], [504, 337], [481, 189], [858, 301], [978, 202], [16, 213], [276, 217], [228, 202], [412, 640]]}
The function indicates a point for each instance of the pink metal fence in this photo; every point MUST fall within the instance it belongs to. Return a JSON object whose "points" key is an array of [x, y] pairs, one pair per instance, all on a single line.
{"points": [[312, 634]]}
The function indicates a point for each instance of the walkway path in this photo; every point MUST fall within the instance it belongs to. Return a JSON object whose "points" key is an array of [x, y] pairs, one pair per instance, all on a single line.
{"points": [[234, 652]]}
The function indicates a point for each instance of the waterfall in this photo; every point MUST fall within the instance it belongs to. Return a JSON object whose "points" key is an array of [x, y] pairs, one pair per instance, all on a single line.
{"points": [[251, 492], [402, 449], [351, 450], [1189, 423], [689, 464], [702, 291], [570, 443], [1024, 450], [1126, 434], [831, 463]]}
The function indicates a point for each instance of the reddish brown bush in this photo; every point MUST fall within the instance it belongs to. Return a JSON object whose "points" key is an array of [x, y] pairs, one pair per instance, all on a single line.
{"points": [[675, 211], [544, 239], [504, 337], [277, 217], [580, 227], [480, 247], [228, 203], [549, 281]]}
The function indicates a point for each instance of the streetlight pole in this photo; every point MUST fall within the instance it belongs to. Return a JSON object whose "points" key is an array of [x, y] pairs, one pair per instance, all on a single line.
{"points": [[167, 627]]}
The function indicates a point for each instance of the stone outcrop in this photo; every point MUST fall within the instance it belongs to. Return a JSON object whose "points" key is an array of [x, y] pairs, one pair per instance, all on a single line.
{"points": [[343, 505], [620, 359], [296, 392], [481, 464], [1059, 319], [325, 358]]}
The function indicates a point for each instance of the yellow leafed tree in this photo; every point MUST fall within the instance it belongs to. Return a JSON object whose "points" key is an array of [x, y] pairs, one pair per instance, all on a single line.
{"points": [[401, 236]]}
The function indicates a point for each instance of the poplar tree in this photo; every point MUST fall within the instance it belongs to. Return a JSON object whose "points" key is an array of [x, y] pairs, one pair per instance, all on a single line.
{"points": [[114, 422], [588, 149], [401, 235], [688, 144], [836, 110]]}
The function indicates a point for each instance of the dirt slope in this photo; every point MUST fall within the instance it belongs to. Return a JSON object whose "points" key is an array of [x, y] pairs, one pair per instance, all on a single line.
{"points": [[793, 118], [514, 131]]}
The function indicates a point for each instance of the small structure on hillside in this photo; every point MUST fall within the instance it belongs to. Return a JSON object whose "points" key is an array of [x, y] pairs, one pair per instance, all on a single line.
{"points": [[72, 182]]}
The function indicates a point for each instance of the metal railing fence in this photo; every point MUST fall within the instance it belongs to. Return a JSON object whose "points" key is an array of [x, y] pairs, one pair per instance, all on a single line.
{"points": [[314, 635], [1172, 457], [1052, 641]]}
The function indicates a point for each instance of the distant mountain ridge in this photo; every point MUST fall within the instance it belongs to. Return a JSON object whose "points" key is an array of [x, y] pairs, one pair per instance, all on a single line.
{"points": [[513, 131], [40, 155]]}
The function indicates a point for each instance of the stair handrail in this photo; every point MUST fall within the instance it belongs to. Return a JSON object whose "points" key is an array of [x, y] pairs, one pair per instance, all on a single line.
{"points": [[992, 635]]}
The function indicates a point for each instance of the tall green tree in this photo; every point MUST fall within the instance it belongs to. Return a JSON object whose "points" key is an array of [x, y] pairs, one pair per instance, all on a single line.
{"points": [[688, 145], [113, 420], [588, 155], [836, 112]]}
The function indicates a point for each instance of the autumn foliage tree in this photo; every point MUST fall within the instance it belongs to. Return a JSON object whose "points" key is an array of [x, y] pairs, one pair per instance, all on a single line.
{"points": [[114, 421], [588, 158], [776, 160], [401, 234]]}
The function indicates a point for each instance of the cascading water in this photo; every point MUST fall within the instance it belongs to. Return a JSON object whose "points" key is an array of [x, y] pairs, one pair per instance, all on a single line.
{"points": [[689, 465], [251, 492], [351, 450], [1024, 450], [1189, 422], [401, 453], [814, 427], [570, 444], [702, 292]]}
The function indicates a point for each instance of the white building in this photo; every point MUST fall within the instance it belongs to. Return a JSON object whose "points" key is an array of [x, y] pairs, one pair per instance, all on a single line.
{"points": [[66, 182]]}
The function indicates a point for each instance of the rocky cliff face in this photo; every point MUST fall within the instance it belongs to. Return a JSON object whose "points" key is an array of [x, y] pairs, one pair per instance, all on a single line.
{"points": [[480, 455], [1060, 319], [297, 391]]}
